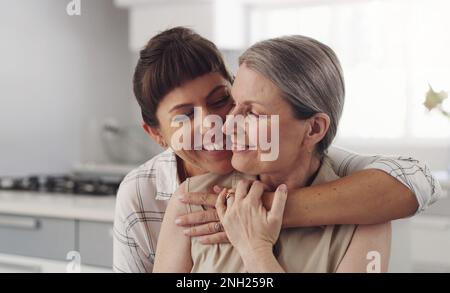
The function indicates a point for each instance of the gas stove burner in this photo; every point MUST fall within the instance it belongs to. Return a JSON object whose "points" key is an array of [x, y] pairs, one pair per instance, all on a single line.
{"points": [[61, 184]]}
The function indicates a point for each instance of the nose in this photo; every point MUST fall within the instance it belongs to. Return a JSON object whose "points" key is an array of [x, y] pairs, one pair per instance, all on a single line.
{"points": [[228, 127], [205, 120], [234, 127]]}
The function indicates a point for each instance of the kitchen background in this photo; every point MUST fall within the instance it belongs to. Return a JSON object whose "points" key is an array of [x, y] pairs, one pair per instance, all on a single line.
{"points": [[70, 128]]}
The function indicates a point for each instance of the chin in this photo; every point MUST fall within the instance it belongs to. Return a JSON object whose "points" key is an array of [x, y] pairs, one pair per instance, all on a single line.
{"points": [[218, 162], [220, 168], [245, 162]]}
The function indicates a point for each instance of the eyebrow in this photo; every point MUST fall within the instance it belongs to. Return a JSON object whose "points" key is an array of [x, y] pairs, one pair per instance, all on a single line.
{"points": [[247, 102], [215, 89], [253, 102]]}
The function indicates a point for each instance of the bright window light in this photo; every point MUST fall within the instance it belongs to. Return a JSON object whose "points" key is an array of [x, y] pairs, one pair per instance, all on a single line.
{"points": [[390, 52]]}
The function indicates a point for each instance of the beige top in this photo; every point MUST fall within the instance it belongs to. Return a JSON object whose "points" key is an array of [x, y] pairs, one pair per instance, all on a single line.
{"points": [[314, 249]]}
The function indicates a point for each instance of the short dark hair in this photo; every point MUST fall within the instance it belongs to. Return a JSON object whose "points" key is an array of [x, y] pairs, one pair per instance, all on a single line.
{"points": [[169, 59]]}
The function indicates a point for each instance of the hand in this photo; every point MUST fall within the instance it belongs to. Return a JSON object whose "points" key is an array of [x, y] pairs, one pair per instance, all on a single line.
{"points": [[249, 225], [203, 224]]}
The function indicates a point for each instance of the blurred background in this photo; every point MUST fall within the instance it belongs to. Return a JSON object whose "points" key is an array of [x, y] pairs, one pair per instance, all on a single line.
{"points": [[70, 128]]}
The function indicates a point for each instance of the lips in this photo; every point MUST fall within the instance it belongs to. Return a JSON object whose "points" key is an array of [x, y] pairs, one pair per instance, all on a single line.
{"points": [[212, 147], [218, 148], [216, 153]]}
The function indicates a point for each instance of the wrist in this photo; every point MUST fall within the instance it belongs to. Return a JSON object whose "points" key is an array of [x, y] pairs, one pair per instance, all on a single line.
{"points": [[262, 260], [255, 254]]}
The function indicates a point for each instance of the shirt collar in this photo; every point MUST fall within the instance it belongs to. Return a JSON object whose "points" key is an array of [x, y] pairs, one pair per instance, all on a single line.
{"points": [[325, 173], [166, 176]]}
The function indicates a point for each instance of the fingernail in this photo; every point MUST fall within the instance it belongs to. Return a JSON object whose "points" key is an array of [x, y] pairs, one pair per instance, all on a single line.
{"points": [[186, 232], [283, 188], [178, 221]]}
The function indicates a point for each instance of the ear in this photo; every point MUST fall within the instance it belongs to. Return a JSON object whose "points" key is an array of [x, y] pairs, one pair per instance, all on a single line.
{"points": [[317, 128], [155, 134]]}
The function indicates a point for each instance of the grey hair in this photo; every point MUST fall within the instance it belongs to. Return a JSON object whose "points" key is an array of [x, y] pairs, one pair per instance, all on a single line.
{"points": [[307, 72]]}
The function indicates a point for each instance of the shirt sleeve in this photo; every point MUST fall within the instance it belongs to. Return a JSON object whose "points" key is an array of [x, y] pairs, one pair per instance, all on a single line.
{"points": [[137, 222], [411, 172]]}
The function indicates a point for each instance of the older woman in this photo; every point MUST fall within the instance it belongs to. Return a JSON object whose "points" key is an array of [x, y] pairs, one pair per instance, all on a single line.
{"points": [[299, 80], [179, 70]]}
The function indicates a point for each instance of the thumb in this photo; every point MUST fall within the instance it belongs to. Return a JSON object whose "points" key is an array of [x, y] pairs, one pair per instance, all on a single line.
{"points": [[279, 202]]}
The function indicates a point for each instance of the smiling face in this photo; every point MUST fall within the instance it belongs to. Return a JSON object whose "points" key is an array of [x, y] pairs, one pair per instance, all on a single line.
{"points": [[256, 95], [211, 93]]}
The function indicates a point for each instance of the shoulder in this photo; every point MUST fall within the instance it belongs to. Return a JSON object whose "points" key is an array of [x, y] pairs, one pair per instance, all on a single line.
{"points": [[144, 189], [150, 169], [325, 173]]}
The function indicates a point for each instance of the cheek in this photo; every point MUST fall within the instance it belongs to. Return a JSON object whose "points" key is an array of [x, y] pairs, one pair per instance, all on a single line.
{"points": [[291, 138], [253, 128], [180, 133], [188, 156], [166, 133]]}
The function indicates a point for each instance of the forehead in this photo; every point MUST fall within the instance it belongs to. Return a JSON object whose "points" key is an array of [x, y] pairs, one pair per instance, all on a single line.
{"points": [[250, 84], [195, 90]]}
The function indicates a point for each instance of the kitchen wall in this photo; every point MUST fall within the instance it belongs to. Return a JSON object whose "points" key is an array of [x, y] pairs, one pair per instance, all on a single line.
{"points": [[60, 77]]}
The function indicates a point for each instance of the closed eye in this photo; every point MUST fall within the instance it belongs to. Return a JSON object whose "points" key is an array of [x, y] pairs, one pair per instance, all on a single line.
{"points": [[221, 102]]}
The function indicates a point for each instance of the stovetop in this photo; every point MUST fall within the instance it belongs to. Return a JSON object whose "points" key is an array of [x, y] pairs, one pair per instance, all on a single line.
{"points": [[60, 184]]}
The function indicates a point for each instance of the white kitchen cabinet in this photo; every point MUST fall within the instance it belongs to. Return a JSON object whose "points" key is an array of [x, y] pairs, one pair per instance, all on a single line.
{"points": [[95, 243], [53, 239], [36, 237], [24, 264], [49, 226]]}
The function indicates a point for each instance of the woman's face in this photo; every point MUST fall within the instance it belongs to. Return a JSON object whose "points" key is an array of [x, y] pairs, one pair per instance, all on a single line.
{"points": [[211, 94], [256, 95]]}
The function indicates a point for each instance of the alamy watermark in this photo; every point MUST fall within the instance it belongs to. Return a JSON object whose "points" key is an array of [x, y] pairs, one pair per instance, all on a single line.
{"points": [[374, 265], [74, 8], [74, 265]]}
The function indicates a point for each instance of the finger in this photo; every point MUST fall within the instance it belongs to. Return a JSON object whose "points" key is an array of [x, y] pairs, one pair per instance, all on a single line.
{"points": [[256, 191], [197, 218], [230, 201], [279, 202], [205, 229], [217, 189], [199, 198], [242, 189], [220, 204], [214, 238]]}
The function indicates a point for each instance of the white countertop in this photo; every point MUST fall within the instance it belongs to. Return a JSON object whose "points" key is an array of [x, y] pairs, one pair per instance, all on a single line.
{"points": [[84, 207], [53, 205], [22, 264]]}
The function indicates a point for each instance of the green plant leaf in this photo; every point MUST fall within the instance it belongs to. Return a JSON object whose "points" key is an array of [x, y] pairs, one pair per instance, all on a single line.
{"points": [[434, 99]]}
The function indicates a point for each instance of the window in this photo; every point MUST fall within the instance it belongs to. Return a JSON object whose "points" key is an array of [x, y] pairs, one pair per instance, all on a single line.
{"points": [[390, 52]]}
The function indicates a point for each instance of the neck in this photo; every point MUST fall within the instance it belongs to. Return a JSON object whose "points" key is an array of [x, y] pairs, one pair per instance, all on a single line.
{"points": [[301, 174], [186, 170]]}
